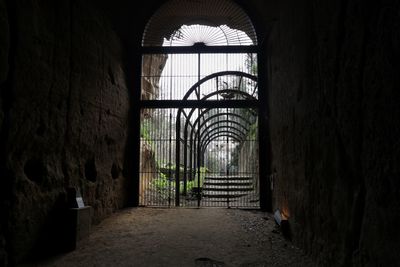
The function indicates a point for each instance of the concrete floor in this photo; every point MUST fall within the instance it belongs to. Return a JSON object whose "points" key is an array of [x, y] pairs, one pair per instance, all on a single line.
{"points": [[184, 237]]}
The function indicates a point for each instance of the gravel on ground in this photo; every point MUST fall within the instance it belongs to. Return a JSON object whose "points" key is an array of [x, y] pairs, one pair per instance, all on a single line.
{"points": [[202, 237]]}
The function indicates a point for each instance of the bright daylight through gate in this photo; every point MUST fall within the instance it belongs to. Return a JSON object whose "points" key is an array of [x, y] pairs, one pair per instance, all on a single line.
{"points": [[199, 121]]}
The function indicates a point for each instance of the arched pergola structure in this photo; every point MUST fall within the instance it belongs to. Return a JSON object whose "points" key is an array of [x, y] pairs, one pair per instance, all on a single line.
{"points": [[205, 128]]}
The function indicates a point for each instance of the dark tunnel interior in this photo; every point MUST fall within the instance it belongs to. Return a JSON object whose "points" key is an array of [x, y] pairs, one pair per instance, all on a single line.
{"points": [[314, 110]]}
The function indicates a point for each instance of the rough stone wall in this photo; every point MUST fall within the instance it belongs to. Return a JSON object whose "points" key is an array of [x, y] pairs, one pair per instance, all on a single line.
{"points": [[333, 104], [4, 49], [152, 67], [248, 160], [64, 115], [334, 116]]}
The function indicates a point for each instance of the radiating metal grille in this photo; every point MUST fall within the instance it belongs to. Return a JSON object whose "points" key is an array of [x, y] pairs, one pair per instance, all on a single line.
{"points": [[222, 35], [211, 17]]}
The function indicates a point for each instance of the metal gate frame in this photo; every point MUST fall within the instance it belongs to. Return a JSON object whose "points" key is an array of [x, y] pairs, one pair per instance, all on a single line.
{"points": [[260, 105]]}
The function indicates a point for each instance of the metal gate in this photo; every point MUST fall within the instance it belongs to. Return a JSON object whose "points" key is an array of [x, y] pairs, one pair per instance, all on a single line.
{"points": [[199, 128]]}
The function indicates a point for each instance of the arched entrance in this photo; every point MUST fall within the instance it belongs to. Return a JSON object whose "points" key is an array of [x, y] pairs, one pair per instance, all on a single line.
{"points": [[199, 107]]}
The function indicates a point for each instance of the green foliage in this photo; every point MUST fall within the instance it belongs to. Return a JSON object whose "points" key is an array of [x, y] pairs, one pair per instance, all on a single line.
{"points": [[251, 63], [203, 171], [145, 132], [169, 169], [162, 184], [253, 131], [194, 184], [235, 156]]}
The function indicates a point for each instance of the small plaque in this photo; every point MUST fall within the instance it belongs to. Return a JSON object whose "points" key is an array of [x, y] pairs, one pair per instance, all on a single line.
{"points": [[79, 200]]}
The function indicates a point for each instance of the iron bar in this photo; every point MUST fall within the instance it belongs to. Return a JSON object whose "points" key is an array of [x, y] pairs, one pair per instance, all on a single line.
{"points": [[170, 159], [177, 165]]}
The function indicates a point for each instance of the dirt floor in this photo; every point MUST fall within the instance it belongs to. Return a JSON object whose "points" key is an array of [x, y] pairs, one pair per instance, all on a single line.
{"points": [[184, 237]]}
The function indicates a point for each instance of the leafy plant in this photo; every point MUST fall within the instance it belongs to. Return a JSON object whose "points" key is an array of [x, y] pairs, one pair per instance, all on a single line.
{"points": [[145, 132], [253, 131]]}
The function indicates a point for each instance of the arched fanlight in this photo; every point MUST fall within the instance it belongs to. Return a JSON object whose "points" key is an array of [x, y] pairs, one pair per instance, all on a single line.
{"points": [[207, 22], [207, 35]]}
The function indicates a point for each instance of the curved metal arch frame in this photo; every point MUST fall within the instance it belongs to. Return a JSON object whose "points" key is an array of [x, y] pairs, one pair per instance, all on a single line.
{"points": [[218, 136], [192, 156], [188, 116], [226, 91], [193, 131], [224, 114], [187, 95], [190, 161], [220, 127], [217, 133], [209, 77], [218, 74], [178, 122], [213, 116]]}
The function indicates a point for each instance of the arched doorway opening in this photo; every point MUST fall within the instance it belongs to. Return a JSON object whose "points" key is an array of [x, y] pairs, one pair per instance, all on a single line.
{"points": [[199, 107]]}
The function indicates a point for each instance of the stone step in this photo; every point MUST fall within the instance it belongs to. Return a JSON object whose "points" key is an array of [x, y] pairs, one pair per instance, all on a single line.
{"points": [[222, 187], [227, 188], [237, 182], [233, 194], [220, 200], [232, 201], [230, 178], [224, 182]]}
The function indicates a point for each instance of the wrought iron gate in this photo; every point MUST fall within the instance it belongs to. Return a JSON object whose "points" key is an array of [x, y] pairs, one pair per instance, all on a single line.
{"points": [[199, 116], [199, 132], [214, 164]]}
